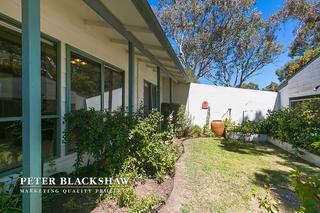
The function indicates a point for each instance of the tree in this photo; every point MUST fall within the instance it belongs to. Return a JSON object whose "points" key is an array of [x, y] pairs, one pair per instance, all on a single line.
{"points": [[226, 42], [250, 85], [295, 65], [271, 87], [307, 13]]}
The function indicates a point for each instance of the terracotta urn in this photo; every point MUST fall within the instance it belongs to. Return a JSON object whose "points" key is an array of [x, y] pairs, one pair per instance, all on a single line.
{"points": [[217, 127]]}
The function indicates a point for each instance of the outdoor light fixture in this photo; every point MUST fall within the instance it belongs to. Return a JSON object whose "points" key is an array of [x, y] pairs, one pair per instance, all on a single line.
{"points": [[316, 88]]}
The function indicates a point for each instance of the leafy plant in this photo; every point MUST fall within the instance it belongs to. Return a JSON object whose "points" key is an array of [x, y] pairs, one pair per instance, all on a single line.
{"points": [[102, 135], [307, 189], [10, 202], [154, 152], [267, 202], [184, 122], [206, 128], [196, 131], [298, 125]]}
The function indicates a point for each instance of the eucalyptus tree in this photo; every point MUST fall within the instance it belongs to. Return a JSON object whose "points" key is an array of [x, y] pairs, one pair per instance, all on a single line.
{"points": [[307, 32], [225, 41]]}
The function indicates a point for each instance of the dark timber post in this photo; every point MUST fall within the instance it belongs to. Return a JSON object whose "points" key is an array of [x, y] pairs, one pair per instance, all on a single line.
{"points": [[158, 89], [131, 91], [170, 90]]}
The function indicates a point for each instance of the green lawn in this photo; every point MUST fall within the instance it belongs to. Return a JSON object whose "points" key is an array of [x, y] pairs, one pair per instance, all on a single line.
{"points": [[220, 175]]}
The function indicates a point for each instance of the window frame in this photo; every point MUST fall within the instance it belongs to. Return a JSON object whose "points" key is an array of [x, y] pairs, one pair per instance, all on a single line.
{"points": [[103, 65], [12, 24], [302, 98]]}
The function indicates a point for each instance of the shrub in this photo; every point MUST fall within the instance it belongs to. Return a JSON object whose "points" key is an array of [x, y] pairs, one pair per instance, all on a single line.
{"points": [[102, 135], [184, 122], [298, 125], [153, 151], [196, 131], [180, 119], [307, 189], [118, 139], [206, 128], [10, 202], [167, 110]]}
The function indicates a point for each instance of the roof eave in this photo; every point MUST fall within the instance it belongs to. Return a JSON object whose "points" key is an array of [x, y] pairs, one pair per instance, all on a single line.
{"points": [[146, 12]]}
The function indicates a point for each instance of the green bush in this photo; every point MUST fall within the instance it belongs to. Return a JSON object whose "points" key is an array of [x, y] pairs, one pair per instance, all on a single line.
{"points": [[169, 110], [153, 151], [102, 135], [196, 131], [206, 128], [307, 189], [298, 125], [179, 117], [118, 139], [10, 202]]}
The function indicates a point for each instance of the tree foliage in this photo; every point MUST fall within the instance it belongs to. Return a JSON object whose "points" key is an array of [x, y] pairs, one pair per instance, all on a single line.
{"points": [[294, 66], [226, 42], [273, 86], [307, 13], [250, 85]]}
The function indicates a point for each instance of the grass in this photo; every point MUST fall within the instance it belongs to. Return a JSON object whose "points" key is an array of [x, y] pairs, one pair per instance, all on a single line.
{"points": [[221, 175]]}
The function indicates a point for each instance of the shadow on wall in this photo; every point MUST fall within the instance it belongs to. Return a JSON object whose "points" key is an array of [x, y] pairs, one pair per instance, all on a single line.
{"points": [[258, 115], [180, 93], [277, 104]]}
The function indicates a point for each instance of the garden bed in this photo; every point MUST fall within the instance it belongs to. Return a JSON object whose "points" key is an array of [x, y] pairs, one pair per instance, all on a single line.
{"points": [[302, 153], [221, 176]]}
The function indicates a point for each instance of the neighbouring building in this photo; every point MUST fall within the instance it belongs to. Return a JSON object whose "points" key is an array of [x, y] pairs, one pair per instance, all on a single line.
{"points": [[301, 86]]}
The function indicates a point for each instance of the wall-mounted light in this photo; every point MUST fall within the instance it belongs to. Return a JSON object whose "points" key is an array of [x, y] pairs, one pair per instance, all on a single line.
{"points": [[316, 88]]}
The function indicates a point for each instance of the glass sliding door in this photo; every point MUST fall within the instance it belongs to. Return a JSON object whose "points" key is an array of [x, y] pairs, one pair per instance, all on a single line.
{"points": [[11, 98]]}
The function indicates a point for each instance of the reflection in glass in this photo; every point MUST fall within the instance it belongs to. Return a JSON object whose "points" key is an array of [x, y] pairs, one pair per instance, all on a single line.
{"points": [[149, 97], [10, 145], [11, 142], [49, 138], [48, 78], [117, 86], [85, 83], [107, 87], [10, 74]]}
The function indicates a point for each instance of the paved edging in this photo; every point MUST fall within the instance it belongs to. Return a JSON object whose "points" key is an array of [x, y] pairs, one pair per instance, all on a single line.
{"points": [[304, 154]]}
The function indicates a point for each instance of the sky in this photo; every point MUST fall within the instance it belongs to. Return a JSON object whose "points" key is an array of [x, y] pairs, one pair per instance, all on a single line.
{"points": [[284, 36]]}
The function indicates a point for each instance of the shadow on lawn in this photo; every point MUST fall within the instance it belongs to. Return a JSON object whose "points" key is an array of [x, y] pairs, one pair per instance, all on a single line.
{"points": [[278, 180], [243, 147]]}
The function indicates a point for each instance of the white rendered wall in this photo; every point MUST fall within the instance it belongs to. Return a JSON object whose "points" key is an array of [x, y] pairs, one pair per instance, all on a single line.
{"points": [[253, 103], [302, 83]]}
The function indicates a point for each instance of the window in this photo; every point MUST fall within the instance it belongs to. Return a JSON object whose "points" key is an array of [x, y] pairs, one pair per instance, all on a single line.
{"points": [[85, 74], [149, 96], [296, 101], [85, 83], [117, 90], [11, 98]]}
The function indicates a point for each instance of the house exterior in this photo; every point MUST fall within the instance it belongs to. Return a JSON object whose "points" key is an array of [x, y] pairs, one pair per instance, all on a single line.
{"points": [[100, 54], [302, 85]]}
